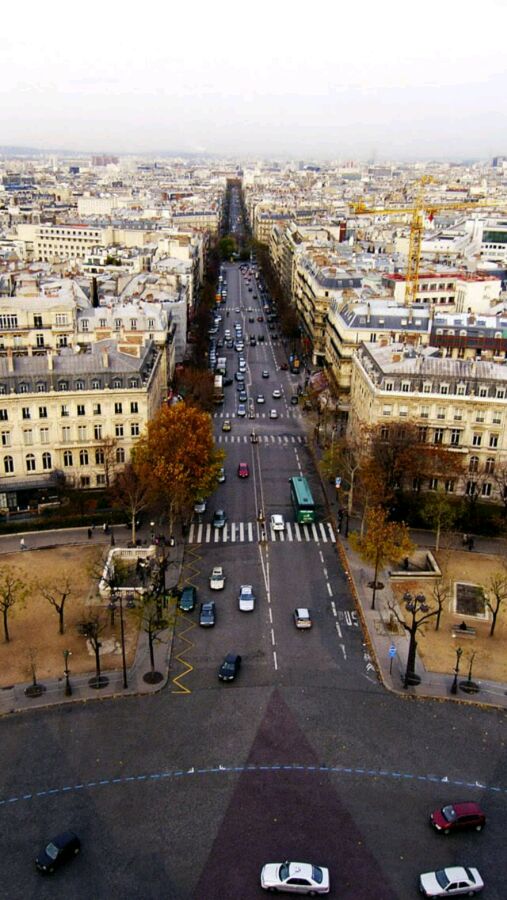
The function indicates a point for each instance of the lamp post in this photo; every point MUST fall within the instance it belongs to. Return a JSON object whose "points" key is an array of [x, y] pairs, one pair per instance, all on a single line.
{"points": [[454, 685], [414, 605], [152, 526], [68, 687]]}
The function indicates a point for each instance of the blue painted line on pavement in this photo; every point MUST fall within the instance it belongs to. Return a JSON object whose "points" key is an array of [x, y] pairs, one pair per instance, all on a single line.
{"points": [[227, 770]]}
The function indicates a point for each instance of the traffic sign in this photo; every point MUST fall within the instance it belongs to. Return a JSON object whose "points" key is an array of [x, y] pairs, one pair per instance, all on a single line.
{"points": [[392, 651], [337, 481]]}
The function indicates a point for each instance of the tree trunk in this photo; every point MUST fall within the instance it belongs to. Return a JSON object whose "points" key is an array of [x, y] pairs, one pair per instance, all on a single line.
{"points": [[6, 627], [97, 658], [152, 655], [494, 614], [350, 498], [412, 649], [437, 620], [437, 537], [133, 527], [60, 616]]}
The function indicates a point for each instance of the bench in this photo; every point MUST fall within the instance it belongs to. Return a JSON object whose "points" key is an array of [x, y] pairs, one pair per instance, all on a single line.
{"points": [[459, 631]]}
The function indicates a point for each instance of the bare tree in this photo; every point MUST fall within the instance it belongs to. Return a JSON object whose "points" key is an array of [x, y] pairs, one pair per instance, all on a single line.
{"points": [[131, 494], [495, 596], [57, 593], [441, 593], [153, 622], [32, 661], [92, 628], [13, 591]]}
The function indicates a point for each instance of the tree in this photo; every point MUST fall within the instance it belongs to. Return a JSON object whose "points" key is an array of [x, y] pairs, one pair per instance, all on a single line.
{"points": [[178, 458], [345, 458], [495, 596], [227, 246], [131, 493], [106, 452], [441, 592], [439, 512], [152, 621], [383, 541], [92, 628], [57, 593], [13, 591], [419, 612], [395, 450], [196, 385]]}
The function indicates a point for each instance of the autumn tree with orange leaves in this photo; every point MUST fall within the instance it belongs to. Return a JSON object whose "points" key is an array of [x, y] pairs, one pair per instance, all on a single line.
{"points": [[177, 458]]}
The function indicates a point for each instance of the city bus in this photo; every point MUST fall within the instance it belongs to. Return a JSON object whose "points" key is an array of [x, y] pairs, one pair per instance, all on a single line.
{"points": [[302, 500], [222, 365], [218, 390]]}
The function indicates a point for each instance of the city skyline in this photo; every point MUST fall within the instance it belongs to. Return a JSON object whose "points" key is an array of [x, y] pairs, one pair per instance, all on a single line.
{"points": [[333, 84]]}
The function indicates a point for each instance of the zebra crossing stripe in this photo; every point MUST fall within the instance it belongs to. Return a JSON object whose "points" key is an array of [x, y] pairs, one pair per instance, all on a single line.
{"points": [[191, 534], [298, 531], [250, 531], [208, 533], [331, 532], [233, 533], [241, 531], [323, 532], [288, 531], [226, 530], [314, 531]]}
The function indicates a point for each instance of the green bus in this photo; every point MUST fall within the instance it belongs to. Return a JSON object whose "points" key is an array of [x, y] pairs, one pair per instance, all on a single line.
{"points": [[302, 499]]}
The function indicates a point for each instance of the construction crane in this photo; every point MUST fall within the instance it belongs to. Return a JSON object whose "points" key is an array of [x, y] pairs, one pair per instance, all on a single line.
{"points": [[418, 211]]}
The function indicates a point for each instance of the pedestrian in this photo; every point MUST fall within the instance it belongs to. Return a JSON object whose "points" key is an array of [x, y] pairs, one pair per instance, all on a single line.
{"points": [[90, 532], [465, 539], [22, 545], [470, 543]]}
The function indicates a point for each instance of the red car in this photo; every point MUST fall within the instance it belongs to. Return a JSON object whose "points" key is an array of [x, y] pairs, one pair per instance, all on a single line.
{"points": [[284, 367], [456, 816], [243, 470]]}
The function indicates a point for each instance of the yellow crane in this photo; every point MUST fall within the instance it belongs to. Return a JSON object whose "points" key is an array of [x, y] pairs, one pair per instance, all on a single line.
{"points": [[418, 211]]}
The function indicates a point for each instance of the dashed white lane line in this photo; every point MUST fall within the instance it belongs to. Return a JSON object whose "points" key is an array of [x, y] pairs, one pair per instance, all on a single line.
{"points": [[329, 589], [273, 638], [270, 615], [324, 572], [333, 607], [338, 629], [274, 659], [343, 651]]}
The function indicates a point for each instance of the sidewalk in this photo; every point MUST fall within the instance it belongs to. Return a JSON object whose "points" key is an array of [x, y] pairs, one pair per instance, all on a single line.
{"points": [[15, 699]]}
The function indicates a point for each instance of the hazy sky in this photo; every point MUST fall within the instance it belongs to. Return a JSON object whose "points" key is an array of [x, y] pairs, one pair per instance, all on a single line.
{"points": [[270, 77]]}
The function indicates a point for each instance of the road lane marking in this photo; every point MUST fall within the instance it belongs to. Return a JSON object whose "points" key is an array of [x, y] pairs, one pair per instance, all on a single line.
{"points": [[273, 638], [330, 592], [275, 660], [250, 531], [208, 532], [323, 532], [343, 651], [191, 534], [241, 531], [270, 613], [338, 629], [333, 607], [298, 531]]}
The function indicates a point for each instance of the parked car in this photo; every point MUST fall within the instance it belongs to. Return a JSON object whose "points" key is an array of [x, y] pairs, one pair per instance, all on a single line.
{"points": [[265, 373], [294, 400], [451, 882], [230, 667], [295, 877], [277, 522], [207, 614], [284, 366], [187, 598], [246, 598], [260, 398], [200, 507], [302, 617], [456, 816], [217, 578], [58, 851], [243, 470], [241, 411], [219, 519]]}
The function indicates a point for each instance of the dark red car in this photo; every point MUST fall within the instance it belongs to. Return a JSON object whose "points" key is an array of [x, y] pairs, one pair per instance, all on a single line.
{"points": [[284, 367], [456, 816], [243, 470]]}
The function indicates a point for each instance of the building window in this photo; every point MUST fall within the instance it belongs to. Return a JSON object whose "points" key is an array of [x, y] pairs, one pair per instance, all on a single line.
{"points": [[99, 456], [444, 388], [118, 430], [433, 484], [30, 462], [66, 434], [133, 324], [84, 481], [46, 461], [134, 407], [8, 465], [387, 410], [42, 387], [489, 465], [438, 436], [63, 385], [384, 433], [97, 409], [67, 458], [28, 436], [458, 415], [25, 412], [43, 412], [102, 323], [476, 439], [6, 438], [97, 432], [483, 392], [493, 441], [80, 385], [441, 412], [39, 340], [422, 433], [403, 410], [479, 416], [44, 435], [500, 394], [120, 455], [133, 383], [81, 409], [81, 432], [405, 387], [118, 408], [425, 412], [496, 418], [96, 385], [61, 319], [426, 388], [416, 484], [473, 465], [486, 489], [101, 480], [23, 388], [117, 384], [455, 437], [450, 485], [83, 457], [134, 429], [84, 324], [37, 322], [117, 324]]}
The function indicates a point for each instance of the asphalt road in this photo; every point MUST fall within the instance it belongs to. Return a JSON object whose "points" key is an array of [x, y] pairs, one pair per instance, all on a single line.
{"points": [[305, 756]]}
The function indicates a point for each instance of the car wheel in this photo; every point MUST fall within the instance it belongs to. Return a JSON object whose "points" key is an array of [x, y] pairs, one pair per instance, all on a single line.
{"points": [[447, 830], [76, 851], [478, 827], [51, 870]]}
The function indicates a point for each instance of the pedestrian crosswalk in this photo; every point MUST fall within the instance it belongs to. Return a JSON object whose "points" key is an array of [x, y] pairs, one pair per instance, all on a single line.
{"points": [[290, 414], [248, 532], [280, 440]]}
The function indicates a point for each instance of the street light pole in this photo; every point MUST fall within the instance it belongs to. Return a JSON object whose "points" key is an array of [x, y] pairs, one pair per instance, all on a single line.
{"points": [[68, 687]]}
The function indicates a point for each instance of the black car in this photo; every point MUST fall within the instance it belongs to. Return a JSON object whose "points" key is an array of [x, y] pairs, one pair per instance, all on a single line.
{"points": [[230, 667], [207, 614], [187, 598], [59, 850], [294, 400], [226, 382]]}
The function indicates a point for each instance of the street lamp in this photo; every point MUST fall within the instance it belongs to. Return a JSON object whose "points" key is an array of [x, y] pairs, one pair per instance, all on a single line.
{"points": [[152, 526], [413, 605], [454, 685], [68, 687]]}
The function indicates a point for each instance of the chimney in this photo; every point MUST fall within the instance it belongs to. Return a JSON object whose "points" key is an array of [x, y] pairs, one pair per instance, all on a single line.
{"points": [[10, 360], [368, 313], [105, 359], [50, 360], [95, 293]]}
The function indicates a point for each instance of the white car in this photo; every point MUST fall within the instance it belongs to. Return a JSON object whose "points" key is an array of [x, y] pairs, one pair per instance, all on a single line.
{"points": [[217, 579], [246, 598], [200, 507], [451, 882], [295, 877], [273, 414], [302, 617], [277, 522], [276, 394]]}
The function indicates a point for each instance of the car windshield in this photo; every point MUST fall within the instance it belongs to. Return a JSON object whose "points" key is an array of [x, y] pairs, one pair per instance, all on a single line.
{"points": [[317, 874], [442, 878], [52, 850], [449, 813], [228, 666], [284, 871]]}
